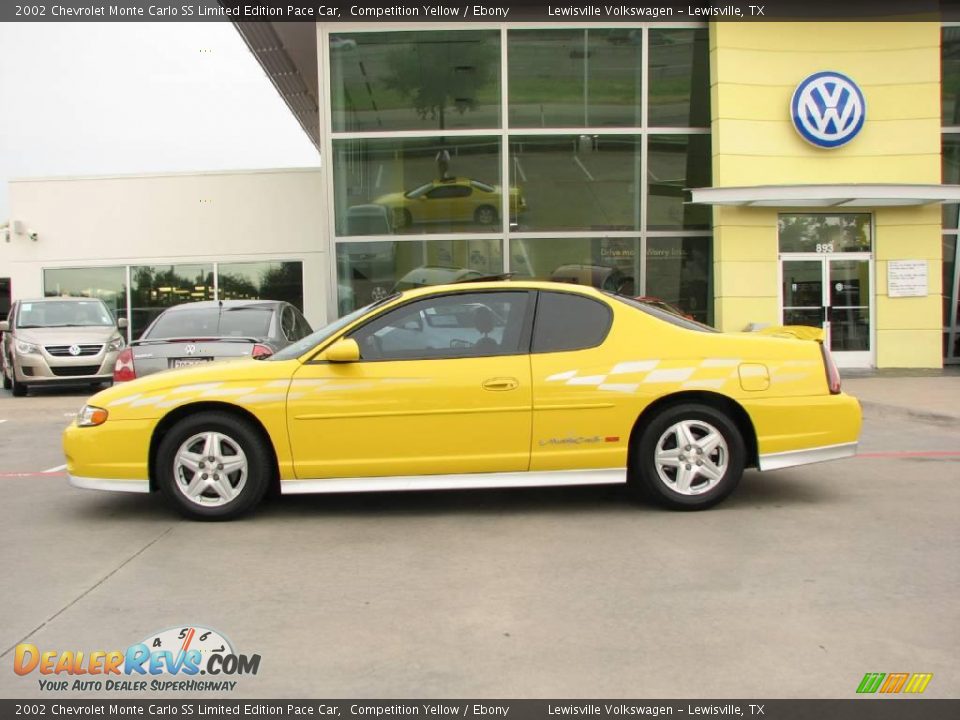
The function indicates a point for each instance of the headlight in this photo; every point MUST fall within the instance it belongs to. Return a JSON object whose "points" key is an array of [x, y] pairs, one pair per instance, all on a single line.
{"points": [[90, 415], [115, 344], [26, 348]]}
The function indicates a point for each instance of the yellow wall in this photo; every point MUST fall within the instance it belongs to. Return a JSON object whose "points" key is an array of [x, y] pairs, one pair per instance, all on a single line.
{"points": [[754, 71]]}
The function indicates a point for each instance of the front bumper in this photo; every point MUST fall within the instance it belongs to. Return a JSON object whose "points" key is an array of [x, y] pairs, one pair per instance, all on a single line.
{"points": [[114, 484], [40, 368]]}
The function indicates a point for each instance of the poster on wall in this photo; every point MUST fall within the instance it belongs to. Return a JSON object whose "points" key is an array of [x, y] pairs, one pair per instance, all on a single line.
{"points": [[907, 278]]}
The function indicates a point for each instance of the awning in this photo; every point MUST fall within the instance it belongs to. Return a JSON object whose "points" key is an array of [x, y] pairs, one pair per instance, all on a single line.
{"points": [[826, 196]]}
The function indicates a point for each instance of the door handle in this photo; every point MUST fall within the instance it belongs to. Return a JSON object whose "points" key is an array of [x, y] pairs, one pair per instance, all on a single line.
{"points": [[500, 383]]}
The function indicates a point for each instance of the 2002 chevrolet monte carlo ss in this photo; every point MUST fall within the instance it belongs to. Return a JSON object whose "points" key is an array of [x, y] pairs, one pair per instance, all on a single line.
{"points": [[488, 384]]}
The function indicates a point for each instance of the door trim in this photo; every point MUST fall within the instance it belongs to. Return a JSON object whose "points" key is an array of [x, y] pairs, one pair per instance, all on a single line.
{"points": [[466, 481]]}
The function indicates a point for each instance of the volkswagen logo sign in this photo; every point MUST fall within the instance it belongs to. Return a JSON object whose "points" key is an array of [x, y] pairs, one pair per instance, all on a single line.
{"points": [[828, 109], [74, 350], [190, 350]]}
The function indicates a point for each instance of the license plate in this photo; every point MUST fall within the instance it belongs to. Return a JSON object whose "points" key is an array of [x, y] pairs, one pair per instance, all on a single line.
{"points": [[186, 362]]}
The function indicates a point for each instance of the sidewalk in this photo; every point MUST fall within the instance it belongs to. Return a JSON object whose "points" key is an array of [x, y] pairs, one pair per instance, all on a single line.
{"points": [[917, 392]]}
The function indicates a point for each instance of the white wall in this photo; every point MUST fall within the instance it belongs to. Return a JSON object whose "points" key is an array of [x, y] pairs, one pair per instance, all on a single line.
{"points": [[160, 219]]}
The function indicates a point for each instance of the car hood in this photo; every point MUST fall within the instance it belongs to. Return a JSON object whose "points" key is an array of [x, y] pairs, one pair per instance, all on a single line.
{"points": [[67, 335]]}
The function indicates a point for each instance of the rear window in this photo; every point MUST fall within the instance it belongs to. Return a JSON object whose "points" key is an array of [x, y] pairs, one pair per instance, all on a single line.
{"points": [[212, 322], [664, 315]]}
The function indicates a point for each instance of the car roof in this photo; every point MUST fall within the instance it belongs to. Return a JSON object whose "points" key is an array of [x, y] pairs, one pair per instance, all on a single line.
{"points": [[205, 304], [59, 298], [472, 286]]}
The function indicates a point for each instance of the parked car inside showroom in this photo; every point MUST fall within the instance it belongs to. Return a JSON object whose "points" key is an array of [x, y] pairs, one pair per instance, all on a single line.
{"points": [[59, 341], [209, 330], [486, 384], [447, 200]]}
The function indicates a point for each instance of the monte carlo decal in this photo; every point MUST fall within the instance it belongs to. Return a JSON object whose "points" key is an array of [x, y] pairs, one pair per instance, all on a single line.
{"points": [[828, 109]]}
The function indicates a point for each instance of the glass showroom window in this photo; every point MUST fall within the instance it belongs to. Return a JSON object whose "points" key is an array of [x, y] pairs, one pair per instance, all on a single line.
{"points": [[611, 264], [822, 233], [679, 78], [418, 186], [575, 78], [107, 283], [261, 280], [370, 271], [430, 80], [679, 272], [155, 287], [577, 182], [675, 163]]}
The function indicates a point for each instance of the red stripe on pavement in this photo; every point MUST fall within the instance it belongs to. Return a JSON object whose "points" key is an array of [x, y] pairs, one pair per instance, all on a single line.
{"points": [[33, 474], [917, 453]]}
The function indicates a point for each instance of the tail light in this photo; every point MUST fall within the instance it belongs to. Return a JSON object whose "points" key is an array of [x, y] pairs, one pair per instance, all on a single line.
{"points": [[833, 375], [261, 351], [123, 369]]}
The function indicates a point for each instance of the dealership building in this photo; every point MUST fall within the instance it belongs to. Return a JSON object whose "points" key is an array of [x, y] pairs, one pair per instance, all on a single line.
{"points": [[749, 173]]}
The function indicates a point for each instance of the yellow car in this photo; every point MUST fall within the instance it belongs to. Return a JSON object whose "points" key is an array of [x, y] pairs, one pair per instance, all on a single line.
{"points": [[474, 385], [453, 200]]}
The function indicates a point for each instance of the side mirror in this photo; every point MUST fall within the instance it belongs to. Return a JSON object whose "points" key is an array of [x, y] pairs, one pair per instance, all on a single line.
{"points": [[343, 351], [4, 326], [122, 323]]}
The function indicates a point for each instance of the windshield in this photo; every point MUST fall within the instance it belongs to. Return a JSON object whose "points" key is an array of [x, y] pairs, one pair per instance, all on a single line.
{"points": [[310, 341], [64, 313], [665, 315], [418, 191], [249, 321]]}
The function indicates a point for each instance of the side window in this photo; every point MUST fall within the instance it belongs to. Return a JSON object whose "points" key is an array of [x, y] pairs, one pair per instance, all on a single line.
{"points": [[448, 326], [569, 322], [302, 326], [288, 323], [449, 191]]}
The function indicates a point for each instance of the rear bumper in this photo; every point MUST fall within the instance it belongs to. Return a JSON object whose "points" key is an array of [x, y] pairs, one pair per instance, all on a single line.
{"points": [[792, 458]]}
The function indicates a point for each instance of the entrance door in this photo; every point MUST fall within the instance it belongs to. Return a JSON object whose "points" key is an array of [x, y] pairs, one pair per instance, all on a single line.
{"points": [[831, 292]]}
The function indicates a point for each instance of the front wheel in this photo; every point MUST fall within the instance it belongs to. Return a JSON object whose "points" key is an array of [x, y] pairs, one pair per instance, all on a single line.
{"points": [[485, 215], [690, 457], [17, 388], [213, 466], [6, 378]]}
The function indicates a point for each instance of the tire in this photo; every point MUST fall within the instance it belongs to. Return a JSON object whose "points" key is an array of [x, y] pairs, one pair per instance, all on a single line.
{"points": [[403, 218], [715, 460], [182, 459], [6, 379], [18, 389], [485, 215]]}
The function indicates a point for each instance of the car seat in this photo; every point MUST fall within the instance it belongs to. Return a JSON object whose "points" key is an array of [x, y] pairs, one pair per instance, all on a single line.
{"points": [[483, 321]]}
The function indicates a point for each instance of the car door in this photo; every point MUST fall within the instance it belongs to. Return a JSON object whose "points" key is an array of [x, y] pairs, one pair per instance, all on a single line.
{"points": [[448, 203], [442, 387], [582, 407]]}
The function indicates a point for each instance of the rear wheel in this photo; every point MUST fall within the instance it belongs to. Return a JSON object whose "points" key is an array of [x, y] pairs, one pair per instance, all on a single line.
{"points": [[690, 457], [485, 215], [213, 466]]}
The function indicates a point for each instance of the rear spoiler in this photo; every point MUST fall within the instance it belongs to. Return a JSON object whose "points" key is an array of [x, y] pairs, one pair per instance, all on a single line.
{"points": [[800, 332]]}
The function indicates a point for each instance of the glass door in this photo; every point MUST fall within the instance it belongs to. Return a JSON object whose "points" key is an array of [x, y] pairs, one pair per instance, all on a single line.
{"points": [[831, 292]]}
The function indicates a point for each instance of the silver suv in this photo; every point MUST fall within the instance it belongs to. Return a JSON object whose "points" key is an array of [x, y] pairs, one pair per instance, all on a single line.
{"points": [[59, 341]]}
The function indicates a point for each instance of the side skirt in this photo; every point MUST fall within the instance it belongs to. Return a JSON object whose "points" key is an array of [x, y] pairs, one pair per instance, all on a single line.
{"points": [[467, 481], [777, 461]]}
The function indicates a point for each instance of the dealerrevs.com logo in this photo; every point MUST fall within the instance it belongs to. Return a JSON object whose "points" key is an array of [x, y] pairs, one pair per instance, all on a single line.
{"points": [[169, 660]]}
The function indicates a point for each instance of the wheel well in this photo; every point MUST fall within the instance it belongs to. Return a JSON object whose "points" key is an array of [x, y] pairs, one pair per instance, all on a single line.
{"points": [[720, 402], [173, 417]]}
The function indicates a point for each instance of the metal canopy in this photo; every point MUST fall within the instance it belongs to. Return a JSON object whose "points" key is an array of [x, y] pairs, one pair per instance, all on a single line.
{"points": [[287, 52], [827, 196]]}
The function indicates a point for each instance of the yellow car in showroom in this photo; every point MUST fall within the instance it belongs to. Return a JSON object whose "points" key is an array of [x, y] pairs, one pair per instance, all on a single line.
{"points": [[450, 200], [474, 385]]}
